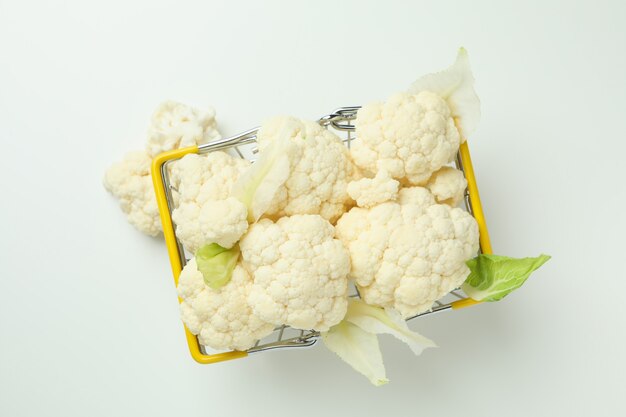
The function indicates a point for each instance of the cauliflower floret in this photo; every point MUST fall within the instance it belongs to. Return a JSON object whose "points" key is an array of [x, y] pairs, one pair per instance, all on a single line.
{"points": [[368, 192], [299, 271], [407, 254], [206, 213], [409, 136], [320, 169], [129, 181], [416, 196], [176, 125], [448, 186], [222, 318]]}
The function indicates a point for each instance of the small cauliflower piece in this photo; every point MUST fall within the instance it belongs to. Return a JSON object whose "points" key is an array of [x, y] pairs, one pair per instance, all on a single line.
{"points": [[368, 192], [222, 318], [447, 186], [206, 212], [299, 271], [176, 125], [419, 197], [320, 169], [407, 254], [409, 136], [130, 182]]}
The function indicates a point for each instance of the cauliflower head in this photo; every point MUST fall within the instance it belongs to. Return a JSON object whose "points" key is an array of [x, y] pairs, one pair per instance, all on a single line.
{"points": [[407, 254], [222, 318], [176, 125], [206, 212], [299, 271], [320, 169], [410, 136], [130, 182], [447, 186]]}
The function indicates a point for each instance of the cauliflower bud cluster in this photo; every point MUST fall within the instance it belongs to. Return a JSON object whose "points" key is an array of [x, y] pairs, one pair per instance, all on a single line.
{"points": [[206, 212], [173, 125], [300, 272], [408, 246], [321, 168], [277, 242], [409, 136], [407, 254], [221, 318], [130, 182], [415, 133]]}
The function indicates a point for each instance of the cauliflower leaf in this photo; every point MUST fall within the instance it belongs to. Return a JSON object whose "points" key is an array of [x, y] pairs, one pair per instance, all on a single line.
{"points": [[493, 277], [359, 349], [216, 264], [355, 339], [257, 187], [377, 320]]}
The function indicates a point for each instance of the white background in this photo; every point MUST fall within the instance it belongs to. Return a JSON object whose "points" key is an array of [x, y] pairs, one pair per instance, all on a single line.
{"points": [[88, 315]]}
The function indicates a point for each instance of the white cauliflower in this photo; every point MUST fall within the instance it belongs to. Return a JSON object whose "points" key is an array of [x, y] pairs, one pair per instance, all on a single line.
{"points": [[129, 181], [415, 133], [222, 318], [206, 212], [173, 125], [319, 173], [447, 186], [299, 271], [409, 136], [176, 125], [407, 254], [368, 192]]}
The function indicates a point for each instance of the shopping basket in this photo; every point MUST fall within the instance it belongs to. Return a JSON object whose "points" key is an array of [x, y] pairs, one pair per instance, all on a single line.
{"points": [[284, 337]]}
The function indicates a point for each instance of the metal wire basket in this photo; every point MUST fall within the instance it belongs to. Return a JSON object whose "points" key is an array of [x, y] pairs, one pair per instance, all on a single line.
{"points": [[283, 336]]}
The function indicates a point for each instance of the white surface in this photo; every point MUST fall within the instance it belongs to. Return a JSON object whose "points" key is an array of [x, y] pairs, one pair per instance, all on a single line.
{"points": [[88, 315]]}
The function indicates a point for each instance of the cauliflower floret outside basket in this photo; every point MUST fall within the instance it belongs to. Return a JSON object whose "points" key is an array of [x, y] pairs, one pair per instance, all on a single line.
{"points": [[407, 254], [222, 318], [299, 271], [320, 169], [130, 182], [176, 125], [206, 212], [173, 125]]}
